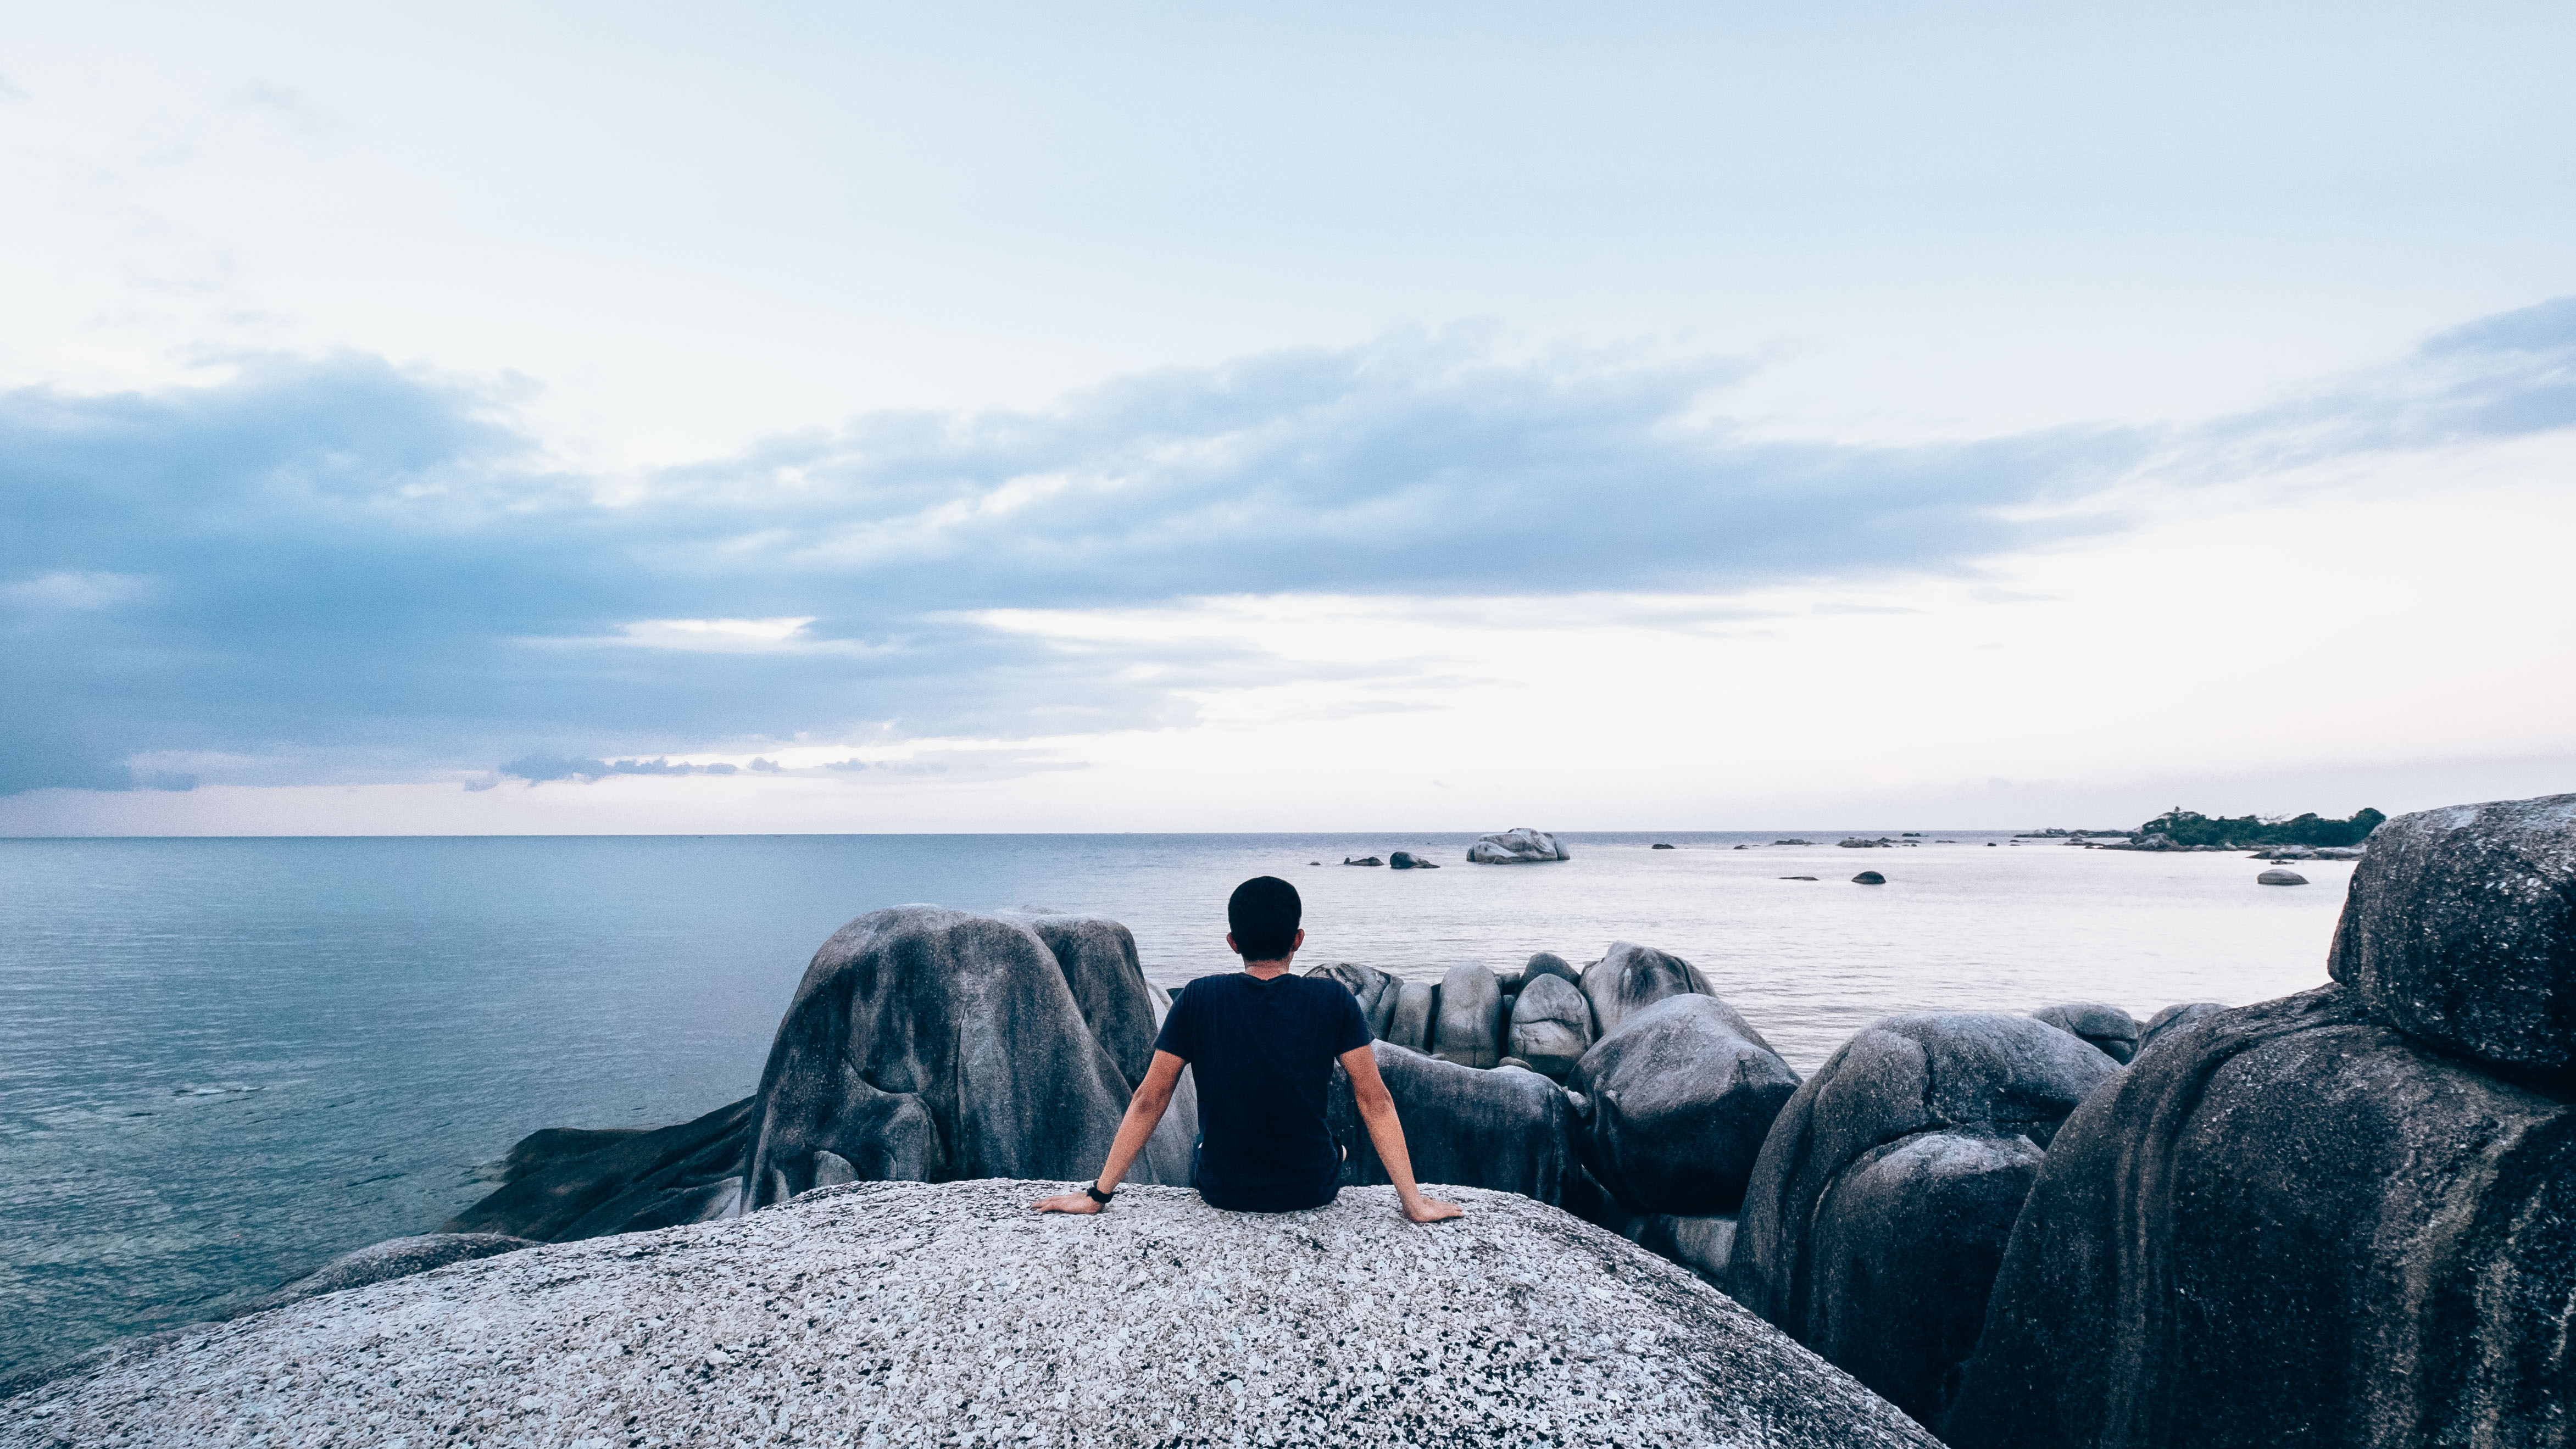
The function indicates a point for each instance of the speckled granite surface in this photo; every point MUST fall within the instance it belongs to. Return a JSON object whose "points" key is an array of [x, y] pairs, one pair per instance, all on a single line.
{"points": [[911, 1313]]}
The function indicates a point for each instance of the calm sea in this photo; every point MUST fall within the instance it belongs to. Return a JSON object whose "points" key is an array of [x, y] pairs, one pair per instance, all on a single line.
{"points": [[224, 1061]]}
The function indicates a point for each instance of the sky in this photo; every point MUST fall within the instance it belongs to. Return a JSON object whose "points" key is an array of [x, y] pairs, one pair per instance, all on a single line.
{"points": [[497, 419]]}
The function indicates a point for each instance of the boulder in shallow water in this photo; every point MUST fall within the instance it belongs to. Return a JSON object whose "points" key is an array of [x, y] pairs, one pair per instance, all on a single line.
{"points": [[2278, 876], [1682, 1096], [1470, 1016], [1879, 1208], [847, 1313], [2460, 930], [393, 1258], [2110, 1030], [1869, 877], [2289, 1227], [1629, 978], [1551, 1025], [1407, 860], [1362, 860], [1522, 846], [567, 1183], [1410, 1024], [929, 1044]]}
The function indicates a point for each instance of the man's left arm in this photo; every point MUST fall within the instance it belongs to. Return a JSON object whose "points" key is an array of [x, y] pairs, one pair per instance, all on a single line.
{"points": [[1144, 1111]]}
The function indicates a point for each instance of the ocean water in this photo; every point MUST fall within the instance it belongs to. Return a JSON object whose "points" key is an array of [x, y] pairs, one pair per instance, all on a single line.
{"points": [[223, 1062]]}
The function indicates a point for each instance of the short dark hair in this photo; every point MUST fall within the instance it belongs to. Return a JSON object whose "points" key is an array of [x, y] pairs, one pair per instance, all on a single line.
{"points": [[1263, 914]]}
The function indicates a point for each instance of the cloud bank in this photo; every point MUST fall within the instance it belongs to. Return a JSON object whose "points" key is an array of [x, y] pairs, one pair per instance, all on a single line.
{"points": [[335, 564]]}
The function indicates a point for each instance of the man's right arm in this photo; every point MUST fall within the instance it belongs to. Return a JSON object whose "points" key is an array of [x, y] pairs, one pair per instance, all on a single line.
{"points": [[1377, 1109]]}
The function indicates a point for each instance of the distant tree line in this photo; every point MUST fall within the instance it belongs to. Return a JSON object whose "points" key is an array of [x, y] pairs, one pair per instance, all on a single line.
{"points": [[2190, 827]]}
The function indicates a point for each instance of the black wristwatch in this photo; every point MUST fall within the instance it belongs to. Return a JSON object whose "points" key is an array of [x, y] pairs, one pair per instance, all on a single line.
{"points": [[1093, 1187]]}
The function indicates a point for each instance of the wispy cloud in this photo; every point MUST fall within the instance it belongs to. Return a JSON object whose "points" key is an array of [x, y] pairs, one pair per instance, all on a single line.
{"points": [[339, 555]]}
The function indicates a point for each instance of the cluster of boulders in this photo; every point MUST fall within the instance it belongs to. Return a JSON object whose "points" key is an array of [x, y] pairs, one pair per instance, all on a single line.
{"points": [[2345, 1217], [1521, 846]]}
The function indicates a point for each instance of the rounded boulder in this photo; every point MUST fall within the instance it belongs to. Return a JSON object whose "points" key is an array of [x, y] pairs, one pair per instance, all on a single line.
{"points": [[1682, 1097]]}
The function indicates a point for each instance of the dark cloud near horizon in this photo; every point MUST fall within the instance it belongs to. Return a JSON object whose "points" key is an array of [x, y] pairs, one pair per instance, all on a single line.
{"points": [[339, 555]]}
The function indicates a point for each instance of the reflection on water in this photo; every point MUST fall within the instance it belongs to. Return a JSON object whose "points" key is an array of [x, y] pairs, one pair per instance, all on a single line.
{"points": [[224, 1061]]}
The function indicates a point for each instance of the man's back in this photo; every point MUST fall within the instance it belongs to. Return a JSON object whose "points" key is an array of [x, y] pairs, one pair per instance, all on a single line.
{"points": [[1263, 1054]]}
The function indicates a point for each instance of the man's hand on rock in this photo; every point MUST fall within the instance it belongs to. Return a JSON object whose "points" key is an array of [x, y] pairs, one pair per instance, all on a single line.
{"points": [[1076, 1201], [1431, 1209]]}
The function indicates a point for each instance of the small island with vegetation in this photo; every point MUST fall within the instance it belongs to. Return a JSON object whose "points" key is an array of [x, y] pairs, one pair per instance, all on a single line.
{"points": [[2310, 835]]}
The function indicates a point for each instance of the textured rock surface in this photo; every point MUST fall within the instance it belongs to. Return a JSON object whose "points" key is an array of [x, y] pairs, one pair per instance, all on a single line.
{"points": [[1098, 958], [1548, 963], [1630, 978], [1378, 992], [393, 1258], [901, 1313], [1507, 1129], [1682, 1097], [2111, 1030], [1520, 846], [1551, 1025], [1469, 1019], [1409, 1025], [2288, 1227], [1701, 1244], [566, 1183], [2174, 1018], [930, 1044], [1880, 1206], [2460, 930]]}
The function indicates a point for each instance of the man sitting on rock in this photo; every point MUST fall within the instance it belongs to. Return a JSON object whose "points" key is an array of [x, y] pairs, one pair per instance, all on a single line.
{"points": [[1264, 1042]]}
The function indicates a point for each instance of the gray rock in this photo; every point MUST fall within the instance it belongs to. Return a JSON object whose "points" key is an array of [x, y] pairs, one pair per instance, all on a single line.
{"points": [[567, 1183], [1507, 1130], [1682, 1096], [1409, 1025], [929, 1044], [2110, 1030], [1469, 1018], [1551, 1025], [1659, 845], [1548, 963], [1098, 958], [393, 1258], [2460, 930], [1407, 860], [1630, 978], [1362, 860], [2289, 1227], [1377, 991], [1879, 1208], [1869, 877], [1520, 846], [2175, 1018], [1701, 1244], [2277, 876], [951, 1314]]}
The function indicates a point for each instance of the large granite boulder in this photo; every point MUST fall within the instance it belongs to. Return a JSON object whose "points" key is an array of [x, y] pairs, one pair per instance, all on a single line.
{"points": [[1548, 963], [393, 1258], [1522, 846], [1630, 978], [2107, 1028], [1879, 1208], [564, 1183], [1416, 1006], [929, 1044], [1377, 991], [2460, 931], [1469, 1019], [1551, 1025], [2290, 1227], [910, 1313], [1098, 958], [1681, 1098], [1507, 1129]]}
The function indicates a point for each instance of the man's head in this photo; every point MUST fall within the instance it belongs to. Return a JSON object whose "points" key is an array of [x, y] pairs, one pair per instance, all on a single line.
{"points": [[1263, 915]]}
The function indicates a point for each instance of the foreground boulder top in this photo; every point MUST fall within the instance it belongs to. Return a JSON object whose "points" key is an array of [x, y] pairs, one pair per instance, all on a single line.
{"points": [[917, 1312], [2460, 930]]}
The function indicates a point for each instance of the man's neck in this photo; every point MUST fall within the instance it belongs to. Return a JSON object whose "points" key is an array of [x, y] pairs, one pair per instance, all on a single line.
{"points": [[1267, 970]]}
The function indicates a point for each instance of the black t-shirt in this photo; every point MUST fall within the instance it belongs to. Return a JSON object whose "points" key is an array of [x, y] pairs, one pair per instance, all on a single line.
{"points": [[1263, 1052]]}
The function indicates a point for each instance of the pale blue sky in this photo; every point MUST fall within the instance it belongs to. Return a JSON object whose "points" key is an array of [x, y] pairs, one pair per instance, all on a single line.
{"points": [[1071, 416]]}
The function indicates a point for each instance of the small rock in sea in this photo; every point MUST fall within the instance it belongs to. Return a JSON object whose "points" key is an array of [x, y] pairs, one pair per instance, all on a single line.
{"points": [[1744, 847], [1314, 862], [1407, 860], [1362, 860], [1793, 842], [1869, 877], [2278, 876], [1797, 877], [1659, 845]]}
